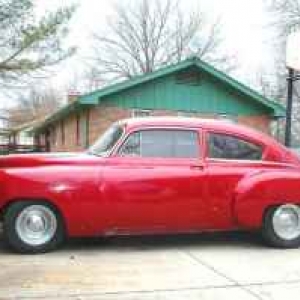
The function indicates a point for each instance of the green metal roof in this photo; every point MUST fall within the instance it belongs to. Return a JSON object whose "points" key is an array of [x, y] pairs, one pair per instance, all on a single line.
{"points": [[94, 98]]}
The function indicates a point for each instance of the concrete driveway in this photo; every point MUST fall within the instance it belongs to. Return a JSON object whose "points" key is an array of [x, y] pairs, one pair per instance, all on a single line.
{"points": [[209, 266]]}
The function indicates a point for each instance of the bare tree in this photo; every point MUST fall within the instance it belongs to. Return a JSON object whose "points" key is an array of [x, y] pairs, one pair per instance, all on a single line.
{"points": [[287, 13], [37, 104], [150, 34], [286, 18]]}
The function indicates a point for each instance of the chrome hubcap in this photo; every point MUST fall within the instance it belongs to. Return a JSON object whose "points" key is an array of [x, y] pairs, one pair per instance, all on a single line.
{"points": [[36, 225], [286, 221]]}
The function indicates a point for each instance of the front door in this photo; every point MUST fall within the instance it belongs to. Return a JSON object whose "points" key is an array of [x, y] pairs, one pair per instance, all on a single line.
{"points": [[156, 182]]}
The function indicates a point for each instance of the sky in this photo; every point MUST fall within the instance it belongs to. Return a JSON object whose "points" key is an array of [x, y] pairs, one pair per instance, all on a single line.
{"points": [[245, 29]]}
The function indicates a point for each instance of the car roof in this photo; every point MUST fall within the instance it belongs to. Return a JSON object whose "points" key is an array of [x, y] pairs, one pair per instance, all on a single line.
{"points": [[222, 126], [172, 121], [188, 122]]}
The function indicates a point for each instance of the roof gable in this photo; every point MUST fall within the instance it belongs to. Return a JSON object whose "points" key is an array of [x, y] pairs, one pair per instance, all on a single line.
{"points": [[95, 97]]}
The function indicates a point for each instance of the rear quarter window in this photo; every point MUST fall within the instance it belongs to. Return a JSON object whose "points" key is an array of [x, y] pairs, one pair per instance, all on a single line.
{"points": [[226, 146]]}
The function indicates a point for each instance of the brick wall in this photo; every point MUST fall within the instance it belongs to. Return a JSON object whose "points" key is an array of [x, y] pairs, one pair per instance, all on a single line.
{"points": [[261, 123], [101, 117], [70, 140]]}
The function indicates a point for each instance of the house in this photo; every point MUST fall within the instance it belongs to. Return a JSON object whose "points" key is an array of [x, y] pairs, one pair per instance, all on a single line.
{"points": [[189, 88], [22, 134], [4, 124], [4, 134], [19, 139]]}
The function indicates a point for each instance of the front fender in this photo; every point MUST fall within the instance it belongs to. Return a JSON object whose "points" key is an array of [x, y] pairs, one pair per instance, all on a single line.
{"points": [[254, 194], [72, 190], [3, 187]]}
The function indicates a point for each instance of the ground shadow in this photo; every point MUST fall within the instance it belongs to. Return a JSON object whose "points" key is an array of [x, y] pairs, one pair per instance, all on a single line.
{"points": [[152, 242]]}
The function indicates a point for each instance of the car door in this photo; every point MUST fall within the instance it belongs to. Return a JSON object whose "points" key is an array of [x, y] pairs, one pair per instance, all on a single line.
{"points": [[228, 158], [156, 182]]}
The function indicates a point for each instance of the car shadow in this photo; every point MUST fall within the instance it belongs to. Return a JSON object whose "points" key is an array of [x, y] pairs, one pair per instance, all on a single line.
{"points": [[236, 240], [168, 242]]}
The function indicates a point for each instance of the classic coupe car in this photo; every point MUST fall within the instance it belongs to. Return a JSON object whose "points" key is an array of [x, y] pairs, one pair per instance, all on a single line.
{"points": [[154, 175]]}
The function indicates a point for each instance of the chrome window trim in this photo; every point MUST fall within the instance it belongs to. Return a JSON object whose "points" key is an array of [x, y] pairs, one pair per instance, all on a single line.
{"points": [[197, 130]]}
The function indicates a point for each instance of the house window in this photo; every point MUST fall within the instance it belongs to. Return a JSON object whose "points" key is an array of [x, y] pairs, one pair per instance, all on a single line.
{"points": [[78, 129], [186, 114], [62, 131], [53, 135], [137, 113], [191, 77], [226, 117], [87, 136], [83, 129]]}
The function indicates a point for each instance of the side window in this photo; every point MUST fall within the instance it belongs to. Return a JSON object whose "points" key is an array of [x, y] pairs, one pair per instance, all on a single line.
{"points": [[161, 143], [132, 146], [186, 144], [229, 147]]}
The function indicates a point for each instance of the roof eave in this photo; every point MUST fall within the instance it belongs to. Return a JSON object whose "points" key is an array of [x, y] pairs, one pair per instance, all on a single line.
{"points": [[57, 116], [277, 109]]}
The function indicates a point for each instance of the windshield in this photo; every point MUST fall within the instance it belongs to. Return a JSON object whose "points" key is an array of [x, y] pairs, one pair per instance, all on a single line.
{"points": [[107, 140]]}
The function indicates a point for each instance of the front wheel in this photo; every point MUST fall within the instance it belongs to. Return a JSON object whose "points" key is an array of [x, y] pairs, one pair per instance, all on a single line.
{"points": [[33, 227], [281, 227]]}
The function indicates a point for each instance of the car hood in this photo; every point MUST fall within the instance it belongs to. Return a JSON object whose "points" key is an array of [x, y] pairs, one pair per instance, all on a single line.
{"points": [[32, 160]]}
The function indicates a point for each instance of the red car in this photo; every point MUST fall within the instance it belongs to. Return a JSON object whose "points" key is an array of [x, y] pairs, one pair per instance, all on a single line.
{"points": [[154, 175]]}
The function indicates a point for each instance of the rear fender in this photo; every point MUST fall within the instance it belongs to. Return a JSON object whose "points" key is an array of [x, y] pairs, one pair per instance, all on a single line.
{"points": [[254, 194]]}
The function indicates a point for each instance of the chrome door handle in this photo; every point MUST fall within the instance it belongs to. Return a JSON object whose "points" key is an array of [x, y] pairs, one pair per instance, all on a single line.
{"points": [[197, 167]]}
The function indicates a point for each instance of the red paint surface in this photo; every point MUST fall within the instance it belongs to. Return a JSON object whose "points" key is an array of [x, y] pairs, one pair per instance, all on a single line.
{"points": [[117, 195]]}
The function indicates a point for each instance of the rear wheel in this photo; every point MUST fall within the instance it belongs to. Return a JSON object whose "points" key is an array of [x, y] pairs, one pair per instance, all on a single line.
{"points": [[281, 226], [33, 227]]}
